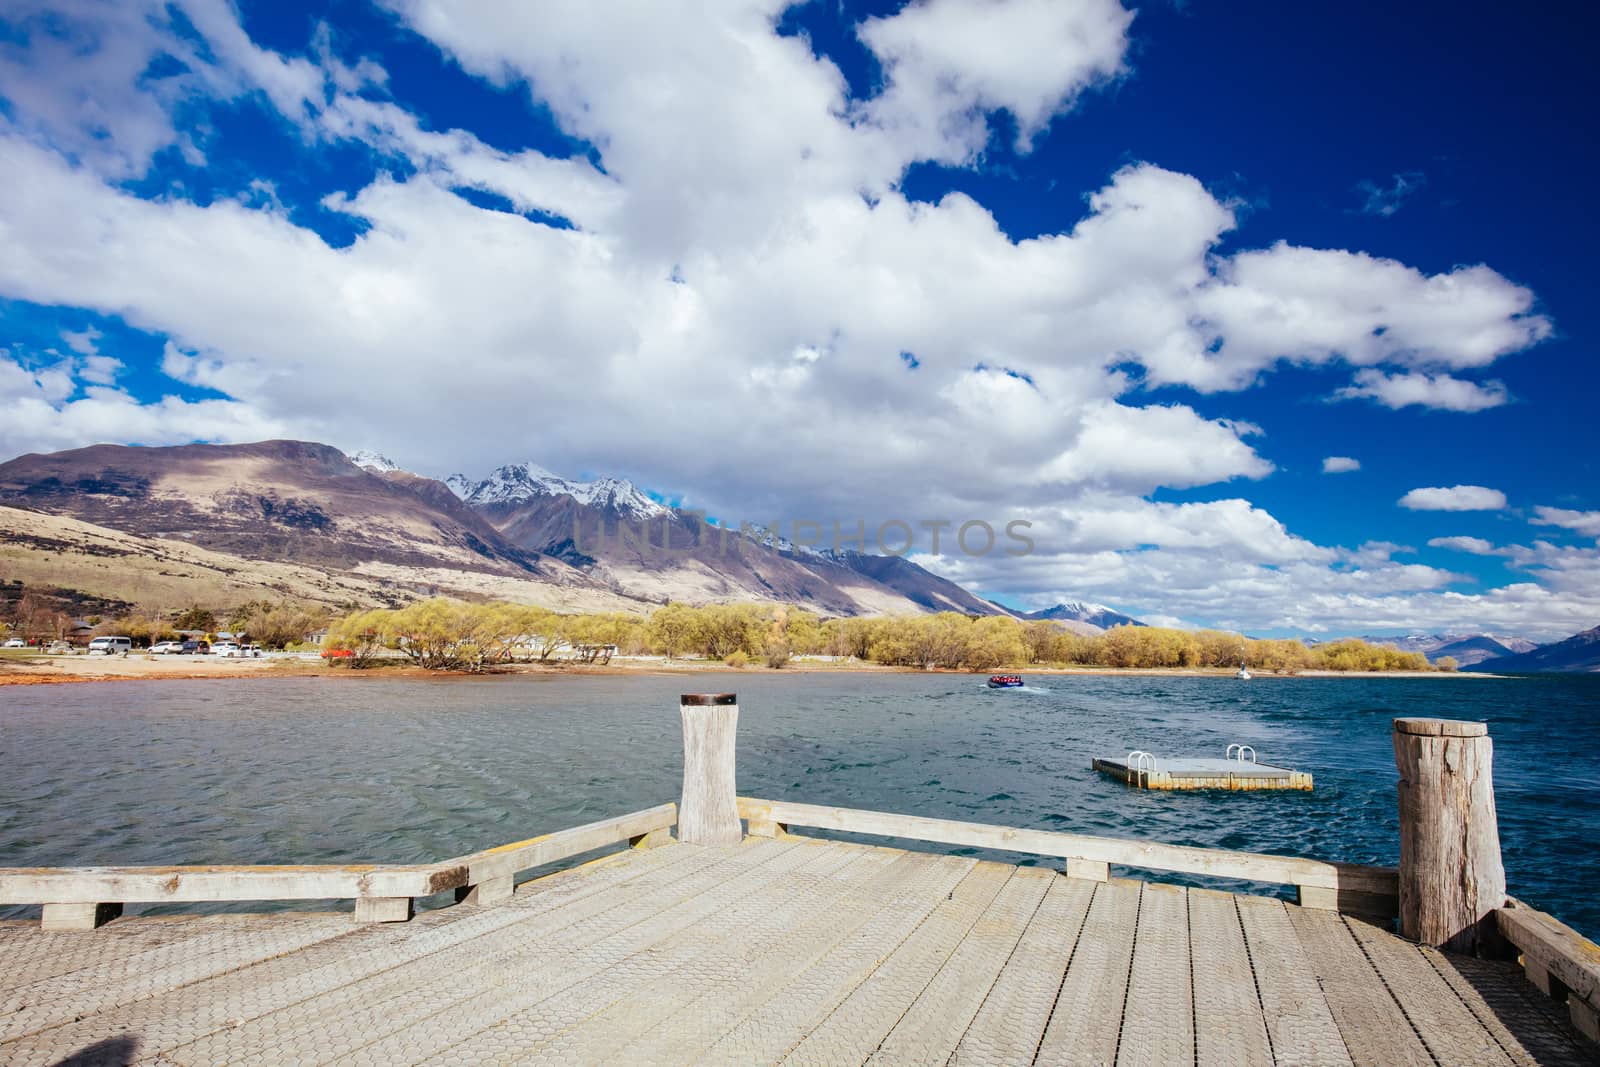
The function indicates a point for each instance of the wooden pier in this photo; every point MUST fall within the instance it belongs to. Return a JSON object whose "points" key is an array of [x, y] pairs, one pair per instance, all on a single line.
{"points": [[774, 947]]}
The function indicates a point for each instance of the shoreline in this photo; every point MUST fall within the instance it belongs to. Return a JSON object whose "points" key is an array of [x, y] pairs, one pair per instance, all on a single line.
{"points": [[71, 670]]}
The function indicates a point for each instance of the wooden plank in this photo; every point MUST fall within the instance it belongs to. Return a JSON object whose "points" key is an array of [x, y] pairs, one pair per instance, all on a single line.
{"points": [[1299, 1022], [87, 885], [1158, 1017], [932, 1027], [814, 993], [715, 1012], [406, 1014], [1375, 1030], [1285, 870], [785, 920], [548, 848], [221, 947], [859, 1024], [1450, 1031], [1529, 1026], [246, 1004], [1229, 1029], [1087, 1017], [1010, 1025], [1564, 953]]}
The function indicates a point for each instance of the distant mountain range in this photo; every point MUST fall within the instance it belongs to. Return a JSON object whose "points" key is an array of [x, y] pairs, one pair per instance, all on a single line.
{"points": [[1468, 650], [364, 530], [119, 525], [1580, 652]]}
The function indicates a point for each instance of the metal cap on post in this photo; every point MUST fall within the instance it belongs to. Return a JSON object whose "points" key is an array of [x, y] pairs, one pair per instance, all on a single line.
{"points": [[1451, 875], [708, 812]]}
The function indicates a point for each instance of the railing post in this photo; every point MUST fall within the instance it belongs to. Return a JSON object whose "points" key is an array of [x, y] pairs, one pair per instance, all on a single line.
{"points": [[708, 813], [1451, 876]]}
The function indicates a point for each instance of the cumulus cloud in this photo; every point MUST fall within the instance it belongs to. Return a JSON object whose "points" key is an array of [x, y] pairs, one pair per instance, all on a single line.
{"points": [[1455, 498], [949, 64], [1340, 465], [736, 242], [1438, 391], [1584, 522], [66, 405]]}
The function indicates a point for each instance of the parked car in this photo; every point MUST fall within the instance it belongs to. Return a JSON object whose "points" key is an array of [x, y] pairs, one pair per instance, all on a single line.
{"points": [[58, 648], [167, 648], [192, 647], [15, 642], [110, 646], [227, 649]]}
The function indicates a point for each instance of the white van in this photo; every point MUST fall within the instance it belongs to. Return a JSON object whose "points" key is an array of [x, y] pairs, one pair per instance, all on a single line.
{"points": [[111, 646]]}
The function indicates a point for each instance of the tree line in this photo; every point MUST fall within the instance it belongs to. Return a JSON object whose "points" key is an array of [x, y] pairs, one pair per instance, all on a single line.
{"points": [[452, 635]]}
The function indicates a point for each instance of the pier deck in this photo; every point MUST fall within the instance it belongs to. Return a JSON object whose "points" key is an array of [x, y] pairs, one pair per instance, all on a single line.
{"points": [[792, 950]]}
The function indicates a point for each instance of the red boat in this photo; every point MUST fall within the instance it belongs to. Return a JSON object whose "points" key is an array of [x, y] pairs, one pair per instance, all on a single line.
{"points": [[1005, 681]]}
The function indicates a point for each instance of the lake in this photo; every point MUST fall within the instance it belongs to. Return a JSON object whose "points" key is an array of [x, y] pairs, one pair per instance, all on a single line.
{"points": [[307, 770]]}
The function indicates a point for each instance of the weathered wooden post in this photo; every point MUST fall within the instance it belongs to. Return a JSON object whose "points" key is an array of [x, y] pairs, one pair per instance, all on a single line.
{"points": [[1451, 877], [708, 813]]}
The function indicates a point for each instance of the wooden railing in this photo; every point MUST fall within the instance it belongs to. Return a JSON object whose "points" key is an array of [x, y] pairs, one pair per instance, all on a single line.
{"points": [[1348, 887], [1448, 891], [1557, 959], [77, 898]]}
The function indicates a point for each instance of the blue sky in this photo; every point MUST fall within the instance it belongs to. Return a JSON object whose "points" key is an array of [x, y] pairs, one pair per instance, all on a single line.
{"points": [[1130, 275]]}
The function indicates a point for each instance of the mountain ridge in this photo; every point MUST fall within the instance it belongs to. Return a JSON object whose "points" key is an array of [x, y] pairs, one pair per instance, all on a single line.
{"points": [[1579, 653]]}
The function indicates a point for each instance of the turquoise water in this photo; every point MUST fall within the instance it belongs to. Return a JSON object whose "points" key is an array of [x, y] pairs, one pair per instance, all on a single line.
{"points": [[327, 770]]}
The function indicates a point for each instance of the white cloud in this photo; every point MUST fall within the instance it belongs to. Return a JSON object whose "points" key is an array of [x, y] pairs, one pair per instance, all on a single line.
{"points": [[61, 407], [1385, 200], [1455, 498], [743, 250], [106, 81], [948, 64], [1476, 546], [1584, 522], [1439, 391], [1340, 465]]}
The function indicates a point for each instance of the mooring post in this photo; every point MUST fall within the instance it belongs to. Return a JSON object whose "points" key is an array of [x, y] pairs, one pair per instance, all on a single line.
{"points": [[1451, 876], [708, 813]]}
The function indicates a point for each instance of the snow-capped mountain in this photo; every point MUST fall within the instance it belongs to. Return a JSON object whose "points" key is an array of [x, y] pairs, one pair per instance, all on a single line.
{"points": [[373, 461], [1467, 649], [1097, 615], [518, 482]]}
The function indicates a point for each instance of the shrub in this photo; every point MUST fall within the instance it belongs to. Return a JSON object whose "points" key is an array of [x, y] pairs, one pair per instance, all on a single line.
{"points": [[739, 658]]}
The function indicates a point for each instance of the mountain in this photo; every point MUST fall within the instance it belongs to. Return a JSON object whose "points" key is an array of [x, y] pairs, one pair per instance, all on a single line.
{"points": [[311, 522], [272, 500], [1579, 653], [523, 482], [1469, 650], [618, 535], [1096, 615], [300, 503]]}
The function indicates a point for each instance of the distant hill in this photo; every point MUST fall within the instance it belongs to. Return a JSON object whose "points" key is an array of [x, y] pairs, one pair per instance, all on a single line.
{"points": [[1469, 650], [1096, 615], [1579, 653]]}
